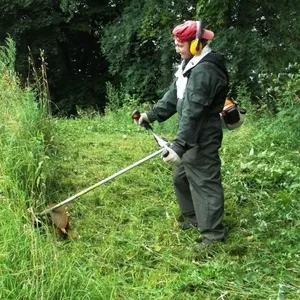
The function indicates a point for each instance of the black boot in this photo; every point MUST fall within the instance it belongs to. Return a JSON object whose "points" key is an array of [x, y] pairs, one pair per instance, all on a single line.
{"points": [[185, 225]]}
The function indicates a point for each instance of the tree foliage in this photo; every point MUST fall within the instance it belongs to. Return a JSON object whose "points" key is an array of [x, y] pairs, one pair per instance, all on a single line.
{"points": [[68, 32], [256, 36], [129, 43], [139, 47]]}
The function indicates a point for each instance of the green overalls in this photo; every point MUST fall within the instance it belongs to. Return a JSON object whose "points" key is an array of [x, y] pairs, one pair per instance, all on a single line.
{"points": [[197, 179]]}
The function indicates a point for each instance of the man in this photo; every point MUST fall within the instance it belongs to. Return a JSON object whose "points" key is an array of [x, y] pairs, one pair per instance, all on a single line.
{"points": [[197, 95]]}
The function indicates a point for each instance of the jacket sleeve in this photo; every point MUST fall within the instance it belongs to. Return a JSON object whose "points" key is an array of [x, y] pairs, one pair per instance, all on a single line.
{"points": [[166, 107], [199, 95]]}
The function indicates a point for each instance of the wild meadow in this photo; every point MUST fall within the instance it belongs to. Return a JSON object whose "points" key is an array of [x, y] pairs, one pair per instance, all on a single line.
{"points": [[123, 241]]}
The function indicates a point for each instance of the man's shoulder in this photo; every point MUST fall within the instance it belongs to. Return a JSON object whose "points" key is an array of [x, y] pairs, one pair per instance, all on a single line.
{"points": [[213, 60]]}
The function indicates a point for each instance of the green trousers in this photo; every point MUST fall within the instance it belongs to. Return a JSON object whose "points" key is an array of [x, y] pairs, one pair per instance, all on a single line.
{"points": [[197, 183]]}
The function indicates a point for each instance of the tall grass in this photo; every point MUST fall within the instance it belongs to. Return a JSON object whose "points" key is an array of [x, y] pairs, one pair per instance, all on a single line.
{"points": [[8, 56], [128, 226], [30, 261], [25, 138]]}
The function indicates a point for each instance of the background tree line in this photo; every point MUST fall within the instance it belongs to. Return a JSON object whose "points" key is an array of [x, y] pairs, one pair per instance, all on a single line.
{"points": [[88, 43]]}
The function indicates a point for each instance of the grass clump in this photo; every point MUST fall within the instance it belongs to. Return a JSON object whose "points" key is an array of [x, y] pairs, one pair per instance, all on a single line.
{"points": [[25, 138]]}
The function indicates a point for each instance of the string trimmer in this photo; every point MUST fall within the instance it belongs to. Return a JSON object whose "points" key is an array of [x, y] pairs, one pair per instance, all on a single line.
{"points": [[58, 213]]}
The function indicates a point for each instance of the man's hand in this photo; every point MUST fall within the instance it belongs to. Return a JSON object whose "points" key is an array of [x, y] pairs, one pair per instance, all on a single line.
{"points": [[170, 156], [143, 119]]}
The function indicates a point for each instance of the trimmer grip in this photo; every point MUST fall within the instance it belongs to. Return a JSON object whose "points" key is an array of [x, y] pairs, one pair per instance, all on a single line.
{"points": [[136, 116], [165, 153]]}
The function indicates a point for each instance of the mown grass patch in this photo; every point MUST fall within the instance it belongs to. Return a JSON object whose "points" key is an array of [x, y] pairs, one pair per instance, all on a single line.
{"points": [[125, 231], [124, 242]]}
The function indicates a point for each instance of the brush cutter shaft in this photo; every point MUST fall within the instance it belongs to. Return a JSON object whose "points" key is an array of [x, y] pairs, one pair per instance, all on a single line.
{"points": [[101, 182], [161, 142]]}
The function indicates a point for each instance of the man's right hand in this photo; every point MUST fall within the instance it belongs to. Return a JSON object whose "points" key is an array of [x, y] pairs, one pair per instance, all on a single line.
{"points": [[143, 119]]}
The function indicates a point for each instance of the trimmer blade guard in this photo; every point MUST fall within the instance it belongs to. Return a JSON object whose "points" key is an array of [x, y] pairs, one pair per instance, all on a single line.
{"points": [[59, 218]]}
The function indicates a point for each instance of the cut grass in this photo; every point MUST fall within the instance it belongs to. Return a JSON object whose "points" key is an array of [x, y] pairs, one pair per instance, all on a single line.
{"points": [[125, 232], [124, 242]]}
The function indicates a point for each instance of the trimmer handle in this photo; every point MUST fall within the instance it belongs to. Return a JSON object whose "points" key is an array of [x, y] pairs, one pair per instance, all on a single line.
{"points": [[161, 141], [136, 116], [165, 153]]}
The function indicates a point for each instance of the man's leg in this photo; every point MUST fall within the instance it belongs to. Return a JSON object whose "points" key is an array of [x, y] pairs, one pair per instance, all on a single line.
{"points": [[202, 165], [183, 194]]}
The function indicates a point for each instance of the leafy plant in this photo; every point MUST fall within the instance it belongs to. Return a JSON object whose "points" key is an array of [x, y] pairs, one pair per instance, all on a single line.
{"points": [[8, 56]]}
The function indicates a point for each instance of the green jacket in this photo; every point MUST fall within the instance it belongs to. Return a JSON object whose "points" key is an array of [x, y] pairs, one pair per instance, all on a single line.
{"points": [[204, 98]]}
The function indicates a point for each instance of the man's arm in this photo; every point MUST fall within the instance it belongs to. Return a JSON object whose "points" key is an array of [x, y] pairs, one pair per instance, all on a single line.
{"points": [[166, 107]]}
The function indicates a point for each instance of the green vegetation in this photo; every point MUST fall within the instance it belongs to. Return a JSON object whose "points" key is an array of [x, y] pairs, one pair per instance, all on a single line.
{"points": [[124, 242], [129, 43]]}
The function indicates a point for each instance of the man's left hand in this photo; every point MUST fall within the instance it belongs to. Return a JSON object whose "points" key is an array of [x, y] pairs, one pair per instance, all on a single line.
{"points": [[170, 156]]}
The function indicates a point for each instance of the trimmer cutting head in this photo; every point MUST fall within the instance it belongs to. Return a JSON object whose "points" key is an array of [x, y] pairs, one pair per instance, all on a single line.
{"points": [[59, 218]]}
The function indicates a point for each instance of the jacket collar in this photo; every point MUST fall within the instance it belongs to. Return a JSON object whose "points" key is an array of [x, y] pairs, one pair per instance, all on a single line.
{"points": [[196, 59]]}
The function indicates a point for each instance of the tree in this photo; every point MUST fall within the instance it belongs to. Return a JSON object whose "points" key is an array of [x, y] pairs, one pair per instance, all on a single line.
{"points": [[68, 32], [256, 36], [138, 45], [129, 42]]}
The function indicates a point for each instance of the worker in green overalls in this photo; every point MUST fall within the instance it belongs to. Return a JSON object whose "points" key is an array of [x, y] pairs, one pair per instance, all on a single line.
{"points": [[198, 96]]}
